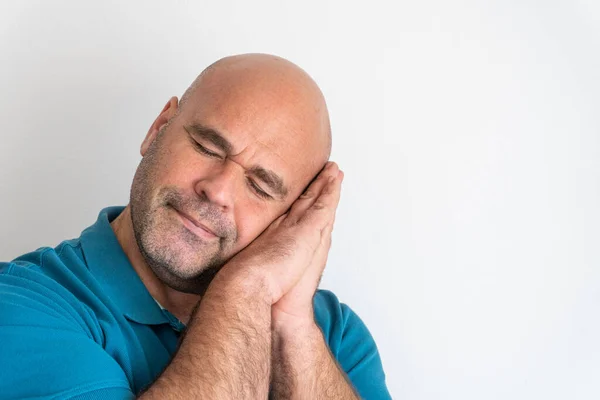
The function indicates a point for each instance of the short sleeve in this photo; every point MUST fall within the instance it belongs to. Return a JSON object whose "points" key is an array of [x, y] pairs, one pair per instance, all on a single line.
{"points": [[46, 349], [360, 358], [352, 345]]}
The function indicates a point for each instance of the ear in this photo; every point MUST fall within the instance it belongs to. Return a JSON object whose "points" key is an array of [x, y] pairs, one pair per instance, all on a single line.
{"points": [[165, 115]]}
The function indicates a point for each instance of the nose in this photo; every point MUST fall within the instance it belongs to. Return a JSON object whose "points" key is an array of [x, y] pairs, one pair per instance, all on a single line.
{"points": [[219, 185]]}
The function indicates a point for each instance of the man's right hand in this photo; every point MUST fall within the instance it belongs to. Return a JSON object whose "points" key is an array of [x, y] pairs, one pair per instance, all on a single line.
{"points": [[281, 255]]}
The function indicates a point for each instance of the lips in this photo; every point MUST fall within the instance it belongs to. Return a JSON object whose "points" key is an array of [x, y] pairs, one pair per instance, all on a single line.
{"points": [[197, 224]]}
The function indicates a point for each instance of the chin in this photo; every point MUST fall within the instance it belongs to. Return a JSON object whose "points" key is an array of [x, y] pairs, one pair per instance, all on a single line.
{"points": [[183, 281]]}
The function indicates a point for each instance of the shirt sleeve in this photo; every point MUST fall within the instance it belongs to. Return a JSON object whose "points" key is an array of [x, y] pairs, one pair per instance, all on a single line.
{"points": [[352, 345], [46, 349]]}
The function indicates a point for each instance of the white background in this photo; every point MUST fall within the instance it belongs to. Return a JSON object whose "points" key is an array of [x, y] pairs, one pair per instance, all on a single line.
{"points": [[468, 232]]}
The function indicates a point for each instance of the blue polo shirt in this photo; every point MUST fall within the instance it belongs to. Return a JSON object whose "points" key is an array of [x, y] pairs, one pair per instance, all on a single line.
{"points": [[76, 322]]}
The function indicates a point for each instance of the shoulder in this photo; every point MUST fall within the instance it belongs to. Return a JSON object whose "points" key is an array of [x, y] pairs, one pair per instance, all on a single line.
{"points": [[38, 288], [53, 269], [330, 314], [49, 261], [335, 318], [51, 339]]}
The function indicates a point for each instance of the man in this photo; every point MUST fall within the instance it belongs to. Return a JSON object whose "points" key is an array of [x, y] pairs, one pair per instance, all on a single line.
{"points": [[204, 285]]}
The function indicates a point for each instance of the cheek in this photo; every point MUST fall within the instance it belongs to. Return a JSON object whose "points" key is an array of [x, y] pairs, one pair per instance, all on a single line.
{"points": [[178, 164], [252, 220]]}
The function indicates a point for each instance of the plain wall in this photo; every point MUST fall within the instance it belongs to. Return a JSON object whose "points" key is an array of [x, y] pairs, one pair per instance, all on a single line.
{"points": [[467, 236]]}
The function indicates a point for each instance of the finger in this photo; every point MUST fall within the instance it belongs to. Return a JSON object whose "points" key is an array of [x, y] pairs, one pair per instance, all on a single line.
{"points": [[309, 281], [341, 173], [312, 192], [322, 211], [319, 261]]}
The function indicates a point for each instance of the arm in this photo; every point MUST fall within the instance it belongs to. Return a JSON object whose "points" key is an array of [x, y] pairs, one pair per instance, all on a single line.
{"points": [[226, 349], [303, 366]]}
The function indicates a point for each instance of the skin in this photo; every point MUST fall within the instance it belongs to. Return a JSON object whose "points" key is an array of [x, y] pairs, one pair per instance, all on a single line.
{"points": [[244, 281]]}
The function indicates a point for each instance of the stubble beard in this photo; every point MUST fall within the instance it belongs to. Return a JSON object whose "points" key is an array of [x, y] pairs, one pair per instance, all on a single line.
{"points": [[179, 258]]}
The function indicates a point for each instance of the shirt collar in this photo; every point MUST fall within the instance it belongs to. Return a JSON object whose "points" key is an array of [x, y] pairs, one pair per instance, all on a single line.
{"points": [[110, 266]]}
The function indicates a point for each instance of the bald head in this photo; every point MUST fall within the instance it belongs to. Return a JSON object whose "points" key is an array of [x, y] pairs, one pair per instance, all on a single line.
{"points": [[267, 83]]}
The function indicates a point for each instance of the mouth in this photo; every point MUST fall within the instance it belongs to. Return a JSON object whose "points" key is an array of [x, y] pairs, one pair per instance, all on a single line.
{"points": [[195, 226]]}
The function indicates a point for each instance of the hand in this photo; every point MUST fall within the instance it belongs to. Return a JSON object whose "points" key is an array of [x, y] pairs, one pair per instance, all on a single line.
{"points": [[289, 256], [295, 308]]}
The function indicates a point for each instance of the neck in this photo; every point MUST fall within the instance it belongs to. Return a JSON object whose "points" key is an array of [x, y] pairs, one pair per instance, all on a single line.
{"points": [[178, 303]]}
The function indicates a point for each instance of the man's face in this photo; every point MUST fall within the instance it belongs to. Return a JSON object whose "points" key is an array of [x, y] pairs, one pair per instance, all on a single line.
{"points": [[212, 180]]}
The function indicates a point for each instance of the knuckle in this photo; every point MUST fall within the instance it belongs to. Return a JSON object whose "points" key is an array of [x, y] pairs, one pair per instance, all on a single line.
{"points": [[329, 189], [307, 195], [320, 205], [289, 222]]}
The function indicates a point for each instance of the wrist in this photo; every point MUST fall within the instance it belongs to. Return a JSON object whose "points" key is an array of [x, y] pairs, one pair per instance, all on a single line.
{"points": [[299, 349], [237, 280], [294, 329]]}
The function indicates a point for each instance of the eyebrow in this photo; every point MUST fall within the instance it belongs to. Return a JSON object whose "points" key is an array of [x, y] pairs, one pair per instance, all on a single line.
{"points": [[211, 135], [271, 179], [215, 137]]}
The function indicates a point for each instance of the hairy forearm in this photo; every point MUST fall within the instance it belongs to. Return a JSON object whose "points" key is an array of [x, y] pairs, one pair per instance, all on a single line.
{"points": [[303, 366], [226, 350]]}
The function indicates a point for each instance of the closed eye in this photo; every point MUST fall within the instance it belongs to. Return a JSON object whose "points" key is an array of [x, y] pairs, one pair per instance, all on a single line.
{"points": [[258, 190], [204, 150], [255, 188]]}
